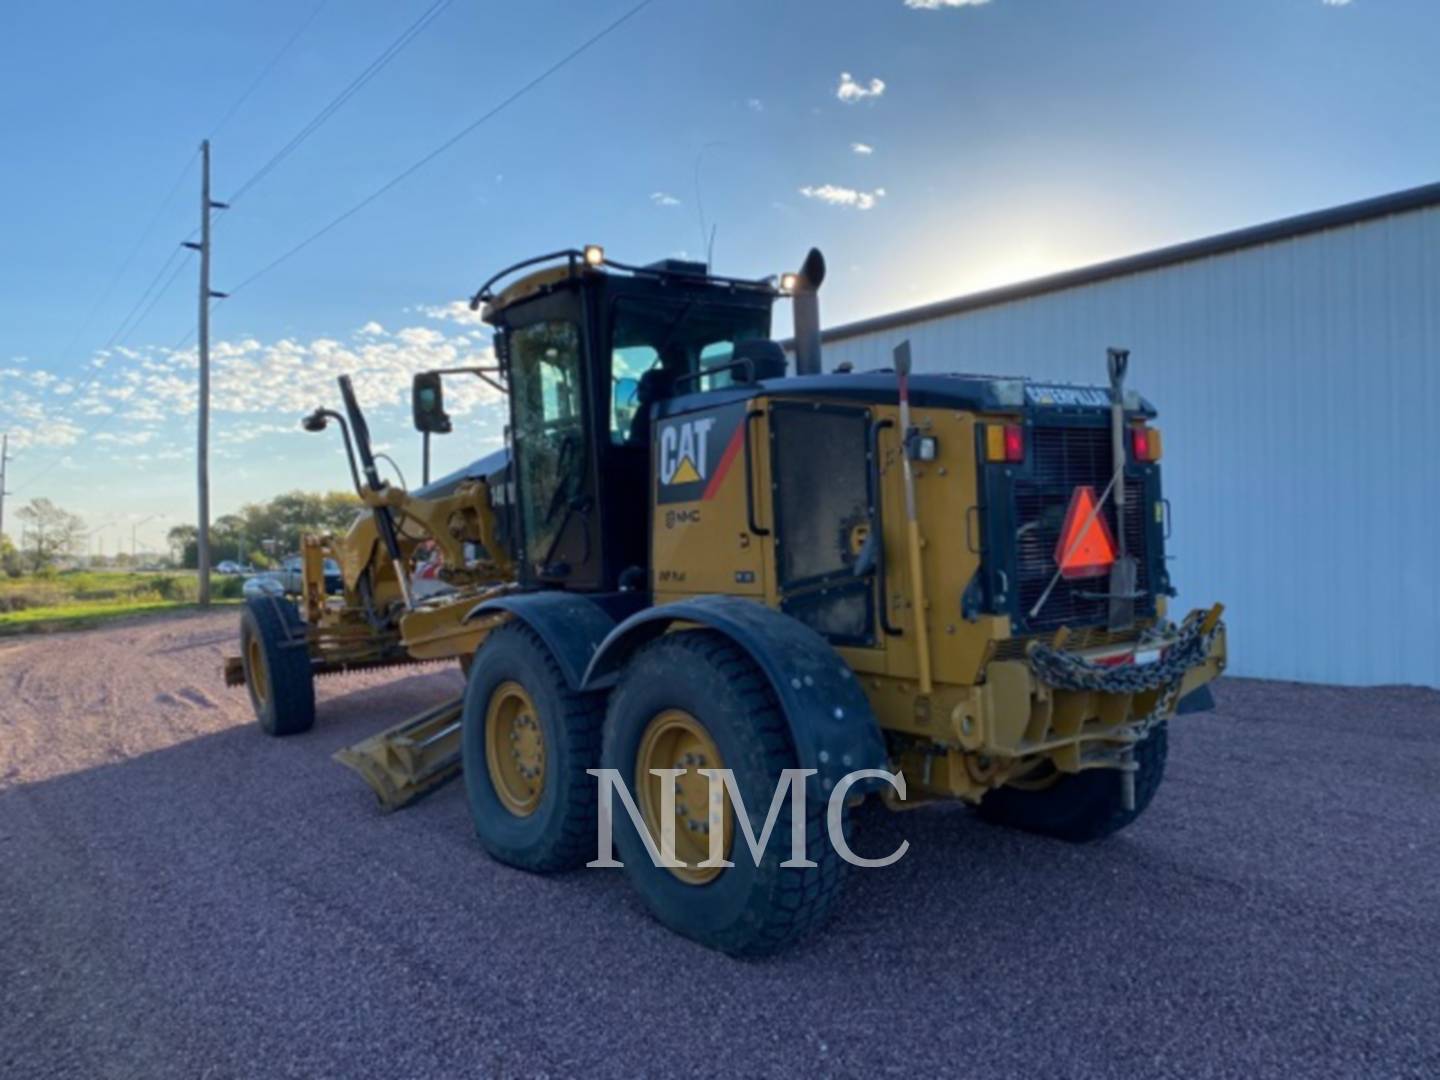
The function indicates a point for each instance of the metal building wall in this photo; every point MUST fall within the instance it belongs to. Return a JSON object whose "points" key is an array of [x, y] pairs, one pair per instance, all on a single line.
{"points": [[1299, 399]]}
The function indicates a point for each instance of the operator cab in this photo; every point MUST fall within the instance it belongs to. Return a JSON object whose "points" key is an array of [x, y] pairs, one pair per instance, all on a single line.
{"points": [[588, 347]]}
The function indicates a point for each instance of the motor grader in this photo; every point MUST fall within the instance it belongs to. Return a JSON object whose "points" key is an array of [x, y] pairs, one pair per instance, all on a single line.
{"points": [[686, 558]]}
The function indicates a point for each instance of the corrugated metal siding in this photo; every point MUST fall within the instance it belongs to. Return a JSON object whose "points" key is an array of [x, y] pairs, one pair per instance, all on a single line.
{"points": [[1299, 397]]}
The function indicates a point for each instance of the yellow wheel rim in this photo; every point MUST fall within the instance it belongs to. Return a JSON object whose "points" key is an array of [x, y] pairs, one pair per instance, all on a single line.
{"points": [[255, 662], [676, 740], [515, 749]]}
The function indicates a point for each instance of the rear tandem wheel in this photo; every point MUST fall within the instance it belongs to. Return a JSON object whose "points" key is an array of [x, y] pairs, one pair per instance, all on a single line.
{"points": [[1083, 806], [694, 700]]}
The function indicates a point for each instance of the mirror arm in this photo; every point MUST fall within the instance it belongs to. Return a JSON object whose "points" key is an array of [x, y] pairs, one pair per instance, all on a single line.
{"points": [[485, 374], [331, 414]]}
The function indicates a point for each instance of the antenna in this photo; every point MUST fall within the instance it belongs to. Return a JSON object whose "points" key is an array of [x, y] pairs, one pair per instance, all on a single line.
{"points": [[707, 235]]}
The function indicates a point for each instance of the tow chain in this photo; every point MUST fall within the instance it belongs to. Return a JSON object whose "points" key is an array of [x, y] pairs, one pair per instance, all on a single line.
{"points": [[1189, 647]]}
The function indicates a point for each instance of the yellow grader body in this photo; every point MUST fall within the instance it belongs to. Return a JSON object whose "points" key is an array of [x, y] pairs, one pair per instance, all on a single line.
{"points": [[900, 571]]}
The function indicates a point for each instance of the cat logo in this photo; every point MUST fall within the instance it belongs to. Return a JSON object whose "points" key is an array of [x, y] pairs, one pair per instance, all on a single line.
{"points": [[683, 451], [693, 454]]}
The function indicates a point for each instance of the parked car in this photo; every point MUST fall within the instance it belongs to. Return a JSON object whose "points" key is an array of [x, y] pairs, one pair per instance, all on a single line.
{"points": [[229, 567], [292, 573], [289, 579], [262, 585]]}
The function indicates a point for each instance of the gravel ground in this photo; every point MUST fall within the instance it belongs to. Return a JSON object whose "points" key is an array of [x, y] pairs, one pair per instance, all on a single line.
{"points": [[182, 896]]}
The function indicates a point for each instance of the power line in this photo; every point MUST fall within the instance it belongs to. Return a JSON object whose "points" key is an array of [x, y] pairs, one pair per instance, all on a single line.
{"points": [[146, 299], [270, 66], [115, 339], [94, 377], [184, 262], [120, 330], [130, 258], [338, 101], [126, 327], [495, 110]]}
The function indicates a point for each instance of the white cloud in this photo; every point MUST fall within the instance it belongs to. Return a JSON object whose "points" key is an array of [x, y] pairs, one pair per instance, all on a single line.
{"points": [[936, 5], [863, 149], [661, 198], [410, 335], [844, 196], [257, 388], [128, 438], [754, 104], [851, 91], [1336, 3], [456, 311]]}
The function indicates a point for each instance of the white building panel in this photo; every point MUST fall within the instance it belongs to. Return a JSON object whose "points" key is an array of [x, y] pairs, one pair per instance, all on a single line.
{"points": [[1299, 398]]}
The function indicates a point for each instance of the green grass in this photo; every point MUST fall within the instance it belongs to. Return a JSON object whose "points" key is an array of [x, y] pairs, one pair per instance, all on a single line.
{"points": [[70, 601], [85, 616]]}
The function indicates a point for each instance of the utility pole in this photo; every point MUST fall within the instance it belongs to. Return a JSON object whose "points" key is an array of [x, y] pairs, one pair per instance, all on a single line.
{"points": [[4, 457], [202, 457]]}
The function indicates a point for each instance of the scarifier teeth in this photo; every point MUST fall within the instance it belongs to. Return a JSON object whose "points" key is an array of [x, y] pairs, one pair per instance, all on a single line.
{"points": [[362, 666]]}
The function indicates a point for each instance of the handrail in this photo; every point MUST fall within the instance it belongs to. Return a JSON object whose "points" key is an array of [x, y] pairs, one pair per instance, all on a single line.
{"points": [[755, 529]]}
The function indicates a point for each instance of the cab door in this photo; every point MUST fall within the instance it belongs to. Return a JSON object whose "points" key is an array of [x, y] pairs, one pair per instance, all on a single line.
{"points": [[553, 456]]}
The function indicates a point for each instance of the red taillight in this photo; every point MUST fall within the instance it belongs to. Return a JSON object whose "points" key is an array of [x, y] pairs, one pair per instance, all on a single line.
{"points": [[1014, 443], [1145, 443]]}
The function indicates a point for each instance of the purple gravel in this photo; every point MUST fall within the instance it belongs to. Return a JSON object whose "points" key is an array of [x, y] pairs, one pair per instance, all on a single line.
{"points": [[183, 897]]}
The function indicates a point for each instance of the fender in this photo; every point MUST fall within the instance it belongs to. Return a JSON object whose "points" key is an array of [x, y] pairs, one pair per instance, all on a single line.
{"points": [[831, 725], [571, 625]]}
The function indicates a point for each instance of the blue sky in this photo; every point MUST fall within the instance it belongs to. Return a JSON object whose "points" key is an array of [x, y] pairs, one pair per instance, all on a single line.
{"points": [[930, 147]]}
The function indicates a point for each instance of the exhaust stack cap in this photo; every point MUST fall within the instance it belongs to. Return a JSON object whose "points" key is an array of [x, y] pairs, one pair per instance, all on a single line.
{"points": [[807, 313]]}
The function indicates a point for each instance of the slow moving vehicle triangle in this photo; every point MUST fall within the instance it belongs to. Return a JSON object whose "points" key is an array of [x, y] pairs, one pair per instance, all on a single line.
{"points": [[1087, 547]]}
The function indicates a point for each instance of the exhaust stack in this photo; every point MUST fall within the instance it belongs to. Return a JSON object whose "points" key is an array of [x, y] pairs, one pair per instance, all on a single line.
{"points": [[807, 313]]}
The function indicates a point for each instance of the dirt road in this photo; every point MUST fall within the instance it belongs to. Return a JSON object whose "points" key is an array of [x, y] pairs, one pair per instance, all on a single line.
{"points": [[181, 896]]}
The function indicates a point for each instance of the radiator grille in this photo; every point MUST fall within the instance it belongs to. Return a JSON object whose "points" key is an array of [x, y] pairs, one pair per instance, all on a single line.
{"points": [[1064, 458]]}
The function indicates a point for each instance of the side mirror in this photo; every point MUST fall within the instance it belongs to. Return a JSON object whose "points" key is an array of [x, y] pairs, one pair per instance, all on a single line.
{"points": [[427, 404]]}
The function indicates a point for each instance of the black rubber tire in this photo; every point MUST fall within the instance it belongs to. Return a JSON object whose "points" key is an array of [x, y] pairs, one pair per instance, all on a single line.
{"points": [[746, 910], [1085, 806], [288, 705], [560, 833]]}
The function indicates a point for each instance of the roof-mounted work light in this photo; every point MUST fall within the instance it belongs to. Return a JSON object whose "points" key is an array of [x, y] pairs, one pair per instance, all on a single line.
{"points": [[594, 255]]}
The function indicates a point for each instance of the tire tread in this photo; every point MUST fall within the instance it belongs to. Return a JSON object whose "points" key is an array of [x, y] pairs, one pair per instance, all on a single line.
{"points": [[802, 898]]}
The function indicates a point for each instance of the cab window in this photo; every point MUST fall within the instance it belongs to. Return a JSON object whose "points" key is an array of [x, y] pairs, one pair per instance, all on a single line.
{"points": [[553, 472], [656, 342]]}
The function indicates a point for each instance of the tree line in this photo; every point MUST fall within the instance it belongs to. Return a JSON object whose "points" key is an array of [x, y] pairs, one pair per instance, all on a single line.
{"points": [[259, 534]]}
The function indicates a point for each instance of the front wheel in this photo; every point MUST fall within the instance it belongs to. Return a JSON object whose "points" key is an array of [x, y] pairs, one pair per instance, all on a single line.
{"points": [[692, 701], [526, 742], [1082, 806]]}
